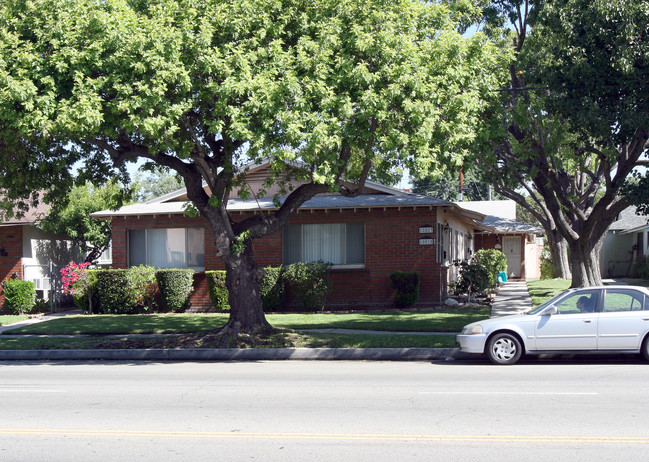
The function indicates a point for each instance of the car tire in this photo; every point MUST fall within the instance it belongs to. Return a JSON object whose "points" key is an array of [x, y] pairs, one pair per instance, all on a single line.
{"points": [[504, 349], [645, 348]]}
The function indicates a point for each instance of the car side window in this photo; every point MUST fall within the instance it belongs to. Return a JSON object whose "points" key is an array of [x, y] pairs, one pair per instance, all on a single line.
{"points": [[623, 300], [581, 302]]}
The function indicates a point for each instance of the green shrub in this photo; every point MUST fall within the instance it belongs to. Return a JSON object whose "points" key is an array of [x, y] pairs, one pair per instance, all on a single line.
{"points": [[175, 286], [406, 285], [492, 260], [272, 288], [311, 282], [116, 292], [41, 305], [20, 296], [474, 278], [85, 285], [218, 291], [144, 285], [547, 269]]}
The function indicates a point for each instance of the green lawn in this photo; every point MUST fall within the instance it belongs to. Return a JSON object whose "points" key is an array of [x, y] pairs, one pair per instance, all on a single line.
{"points": [[104, 331], [399, 321], [8, 319], [107, 324], [545, 289]]}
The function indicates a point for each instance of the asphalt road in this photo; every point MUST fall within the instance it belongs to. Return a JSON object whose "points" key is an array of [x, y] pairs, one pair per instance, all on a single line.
{"points": [[560, 409]]}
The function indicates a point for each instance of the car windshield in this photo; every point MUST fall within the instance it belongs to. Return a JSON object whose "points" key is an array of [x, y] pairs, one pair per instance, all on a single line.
{"points": [[540, 308]]}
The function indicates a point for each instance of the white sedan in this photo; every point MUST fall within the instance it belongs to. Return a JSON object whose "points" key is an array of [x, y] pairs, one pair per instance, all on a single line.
{"points": [[588, 319]]}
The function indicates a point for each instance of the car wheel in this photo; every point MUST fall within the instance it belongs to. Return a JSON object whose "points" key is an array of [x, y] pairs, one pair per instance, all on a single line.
{"points": [[504, 349], [645, 348]]}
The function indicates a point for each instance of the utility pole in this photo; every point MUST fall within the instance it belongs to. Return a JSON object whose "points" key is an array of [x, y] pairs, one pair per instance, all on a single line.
{"points": [[461, 195]]}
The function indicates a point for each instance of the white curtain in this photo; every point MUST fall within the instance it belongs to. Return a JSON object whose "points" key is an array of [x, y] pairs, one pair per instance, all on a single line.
{"points": [[156, 246], [324, 242]]}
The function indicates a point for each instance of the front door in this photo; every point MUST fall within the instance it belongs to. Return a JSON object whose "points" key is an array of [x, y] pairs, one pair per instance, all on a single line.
{"points": [[512, 249], [574, 327]]}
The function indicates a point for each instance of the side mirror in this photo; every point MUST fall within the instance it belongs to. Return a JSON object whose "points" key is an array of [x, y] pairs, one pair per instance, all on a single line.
{"points": [[549, 311]]}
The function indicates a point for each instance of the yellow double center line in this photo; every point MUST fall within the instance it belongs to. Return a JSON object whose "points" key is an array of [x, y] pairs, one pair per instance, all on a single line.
{"points": [[548, 439]]}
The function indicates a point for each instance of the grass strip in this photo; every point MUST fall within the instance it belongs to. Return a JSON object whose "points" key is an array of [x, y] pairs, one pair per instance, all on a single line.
{"points": [[285, 340], [544, 289], [448, 320], [9, 319]]}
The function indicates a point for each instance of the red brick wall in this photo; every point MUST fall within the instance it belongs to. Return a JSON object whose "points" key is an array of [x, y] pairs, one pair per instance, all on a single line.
{"points": [[486, 241], [392, 243], [11, 241]]}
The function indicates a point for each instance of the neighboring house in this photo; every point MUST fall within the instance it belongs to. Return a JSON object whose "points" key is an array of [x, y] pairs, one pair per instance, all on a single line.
{"points": [[626, 244], [367, 238], [30, 254], [518, 241]]}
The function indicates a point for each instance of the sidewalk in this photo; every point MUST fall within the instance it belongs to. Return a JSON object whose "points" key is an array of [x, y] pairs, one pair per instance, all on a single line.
{"points": [[512, 298]]}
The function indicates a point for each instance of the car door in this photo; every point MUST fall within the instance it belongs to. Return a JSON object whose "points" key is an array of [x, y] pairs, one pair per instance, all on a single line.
{"points": [[624, 319], [572, 327]]}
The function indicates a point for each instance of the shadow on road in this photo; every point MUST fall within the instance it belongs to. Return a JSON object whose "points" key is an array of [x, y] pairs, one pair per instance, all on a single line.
{"points": [[555, 360]]}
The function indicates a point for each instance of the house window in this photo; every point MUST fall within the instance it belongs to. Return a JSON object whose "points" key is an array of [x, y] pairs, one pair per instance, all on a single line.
{"points": [[106, 256], [441, 244], [167, 248], [342, 244]]}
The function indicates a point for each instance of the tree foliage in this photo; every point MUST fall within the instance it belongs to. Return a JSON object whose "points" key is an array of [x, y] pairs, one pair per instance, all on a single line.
{"points": [[342, 87], [446, 185], [150, 184], [573, 123], [71, 216]]}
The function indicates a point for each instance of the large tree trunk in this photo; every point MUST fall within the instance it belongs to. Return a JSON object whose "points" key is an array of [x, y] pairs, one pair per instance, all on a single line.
{"points": [[559, 254], [584, 257], [242, 280]]}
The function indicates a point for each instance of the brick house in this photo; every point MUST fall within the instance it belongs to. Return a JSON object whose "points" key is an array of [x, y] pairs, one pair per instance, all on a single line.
{"points": [[30, 254], [366, 238], [518, 241]]}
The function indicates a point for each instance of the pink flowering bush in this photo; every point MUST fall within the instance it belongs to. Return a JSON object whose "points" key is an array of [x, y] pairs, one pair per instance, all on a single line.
{"points": [[75, 278], [77, 281]]}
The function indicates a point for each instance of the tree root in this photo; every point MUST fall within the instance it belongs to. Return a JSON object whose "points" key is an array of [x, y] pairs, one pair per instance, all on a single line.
{"points": [[231, 336]]}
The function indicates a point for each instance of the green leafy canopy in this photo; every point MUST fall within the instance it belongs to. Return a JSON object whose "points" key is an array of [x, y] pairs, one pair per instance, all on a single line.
{"points": [[393, 82]]}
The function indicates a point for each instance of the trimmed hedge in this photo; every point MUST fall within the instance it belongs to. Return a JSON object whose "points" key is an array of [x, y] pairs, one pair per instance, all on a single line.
{"points": [[20, 296], [311, 282], [218, 291], [116, 292], [272, 288], [145, 285], [406, 285], [175, 286]]}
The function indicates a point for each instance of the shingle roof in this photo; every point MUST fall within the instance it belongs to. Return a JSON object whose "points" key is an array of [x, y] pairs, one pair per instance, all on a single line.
{"points": [[32, 215], [505, 225], [318, 202], [629, 221]]}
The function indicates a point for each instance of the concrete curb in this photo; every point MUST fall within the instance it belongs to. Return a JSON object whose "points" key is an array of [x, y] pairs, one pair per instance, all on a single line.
{"points": [[253, 354]]}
